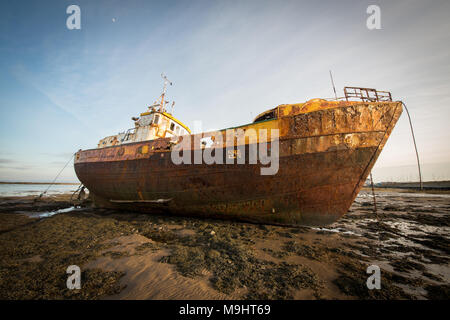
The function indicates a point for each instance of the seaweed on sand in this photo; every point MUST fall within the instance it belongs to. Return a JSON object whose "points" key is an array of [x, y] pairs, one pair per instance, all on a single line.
{"points": [[234, 266], [59, 241]]}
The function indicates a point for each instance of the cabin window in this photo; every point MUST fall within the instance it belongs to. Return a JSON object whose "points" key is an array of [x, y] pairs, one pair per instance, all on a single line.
{"points": [[177, 130], [172, 126], [156, 119]]}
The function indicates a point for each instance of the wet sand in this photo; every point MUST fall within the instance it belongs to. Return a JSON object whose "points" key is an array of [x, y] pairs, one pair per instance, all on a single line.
{"points": [[125, 255]]}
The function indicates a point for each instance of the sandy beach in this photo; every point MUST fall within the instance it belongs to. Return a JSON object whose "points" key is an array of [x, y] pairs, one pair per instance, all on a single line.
{"points": [[126, 255]]}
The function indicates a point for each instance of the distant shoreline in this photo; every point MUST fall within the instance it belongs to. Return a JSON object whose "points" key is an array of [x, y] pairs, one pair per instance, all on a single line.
{"points": [[427, 185], [57, 183]]}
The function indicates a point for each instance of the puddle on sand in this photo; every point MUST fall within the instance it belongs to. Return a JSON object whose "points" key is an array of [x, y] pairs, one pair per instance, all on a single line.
{"points": [[410, 229], [47, 214], [390, 194], [337, 230]]}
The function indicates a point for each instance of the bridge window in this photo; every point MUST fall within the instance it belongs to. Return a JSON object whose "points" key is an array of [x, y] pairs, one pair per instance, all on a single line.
{"points": [[156, 120], [172, 126], [145, 120]]}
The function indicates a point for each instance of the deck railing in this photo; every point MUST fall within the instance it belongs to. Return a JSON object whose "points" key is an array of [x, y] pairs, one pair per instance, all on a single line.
{"points": [[367, 94]]}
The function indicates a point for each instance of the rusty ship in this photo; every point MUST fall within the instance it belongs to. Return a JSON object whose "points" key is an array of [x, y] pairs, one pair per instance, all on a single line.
{"points": [[326, 149]]}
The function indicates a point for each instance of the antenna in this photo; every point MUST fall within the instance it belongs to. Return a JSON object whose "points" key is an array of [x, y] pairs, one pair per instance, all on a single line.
{"points": [[166, 81], [173, 103], [334, 88]]}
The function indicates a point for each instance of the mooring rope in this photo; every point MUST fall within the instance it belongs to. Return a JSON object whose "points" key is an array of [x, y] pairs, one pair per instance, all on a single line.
{"points": [[415, 146], [40, 196], [420, 179], [78, 189], [373, 195], [376, 214]]}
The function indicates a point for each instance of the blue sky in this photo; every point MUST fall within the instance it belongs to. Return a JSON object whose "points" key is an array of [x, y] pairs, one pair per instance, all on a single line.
{"points": [[62, 90]]}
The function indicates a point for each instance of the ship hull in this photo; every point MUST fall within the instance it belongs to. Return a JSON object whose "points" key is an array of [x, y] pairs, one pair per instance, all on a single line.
{"points": [[324, 159]]}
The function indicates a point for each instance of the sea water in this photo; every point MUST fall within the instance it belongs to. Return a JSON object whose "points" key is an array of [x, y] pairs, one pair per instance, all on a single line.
{"points": [[20, 190]]}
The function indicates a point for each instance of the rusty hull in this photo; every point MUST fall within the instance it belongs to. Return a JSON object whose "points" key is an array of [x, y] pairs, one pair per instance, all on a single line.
{"points": [[327, 150]]}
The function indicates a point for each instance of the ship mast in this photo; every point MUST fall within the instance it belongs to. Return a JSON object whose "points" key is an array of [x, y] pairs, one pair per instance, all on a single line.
{"points": [[166, 81]]}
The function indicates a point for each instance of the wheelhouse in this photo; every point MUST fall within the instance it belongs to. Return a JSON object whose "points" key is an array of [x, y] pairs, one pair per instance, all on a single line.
{"points": [[153, 124]]}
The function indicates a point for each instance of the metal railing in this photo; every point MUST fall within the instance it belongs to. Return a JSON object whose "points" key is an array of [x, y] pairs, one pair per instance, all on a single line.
{"points": [[129, 132], [367, 94]]}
